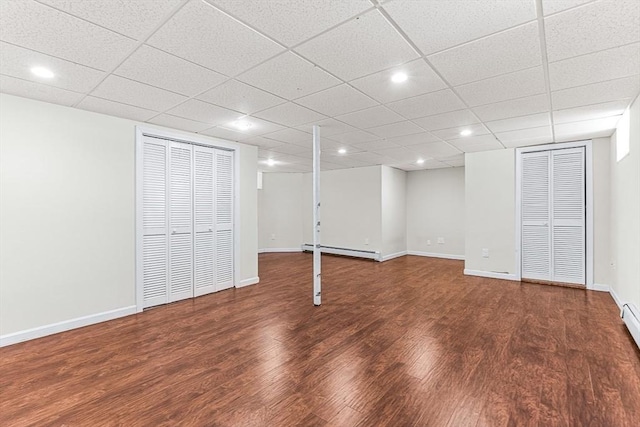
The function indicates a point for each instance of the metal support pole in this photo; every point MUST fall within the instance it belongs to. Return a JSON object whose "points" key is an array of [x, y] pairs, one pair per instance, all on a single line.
{"points": [[317, 258]]}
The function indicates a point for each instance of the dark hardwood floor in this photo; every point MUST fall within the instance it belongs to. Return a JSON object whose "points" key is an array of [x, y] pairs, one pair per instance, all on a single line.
{"points": [[409, 342]]}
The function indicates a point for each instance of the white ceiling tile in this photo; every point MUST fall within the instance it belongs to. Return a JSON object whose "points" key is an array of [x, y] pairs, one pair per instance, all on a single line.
{"points": [[454, 133], [421, 79], [206, 36], [116, 109], [289, 76], [595, 67], [17, 62], [596, 128], [524, 137], [291, 136], [417, 138], [435, 164], [262, 142], [592, 27], [428, 104], [380, 144], [291, 22], [230, 135], [554, 6], [596, 93], [435, 25], [204, 112], [39, 27], [522, 122], [137, 94], [347, 161], [38, 91], [396, 129], [160, 69], [501, 88], [352, 138], [596, 111], [513, 108], [179, 123], [476, 143], [359, 47], [256, 126], [402, 154], [132, 18], [369, 157], [238, 96], [370, 117], [328, 127], [325, 165], [292, 149], [290, 114], [337, 100], [447, 120], [437, 149], [455, 161], [501, 53]]}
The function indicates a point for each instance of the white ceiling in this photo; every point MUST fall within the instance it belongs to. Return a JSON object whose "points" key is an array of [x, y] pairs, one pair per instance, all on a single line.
{"points": [[514, 72]]}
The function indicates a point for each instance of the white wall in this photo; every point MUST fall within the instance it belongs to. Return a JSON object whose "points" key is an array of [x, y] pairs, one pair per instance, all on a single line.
{"points": [[393, 211], [436, 208], [625, 215], [67, 214], [280, 211], [490, 211], [601, 211]]}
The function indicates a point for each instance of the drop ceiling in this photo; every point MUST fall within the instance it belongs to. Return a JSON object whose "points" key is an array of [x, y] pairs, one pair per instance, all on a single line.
{"points": [[514, 73]]}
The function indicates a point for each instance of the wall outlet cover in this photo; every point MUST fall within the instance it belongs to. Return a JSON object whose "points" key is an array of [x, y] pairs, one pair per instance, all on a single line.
{"points": [[485, 253], [441, 240]]}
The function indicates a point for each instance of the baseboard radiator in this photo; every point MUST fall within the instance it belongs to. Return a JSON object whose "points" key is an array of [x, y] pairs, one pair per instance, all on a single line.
{"points": [[631, 317], [375, 255]]}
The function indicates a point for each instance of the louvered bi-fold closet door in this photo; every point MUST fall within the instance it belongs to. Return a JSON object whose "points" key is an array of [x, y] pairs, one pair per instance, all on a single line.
{"points": [[224, 246], [180, 222], [536, 216], [568, 215], [155, 271], [204, 249]]}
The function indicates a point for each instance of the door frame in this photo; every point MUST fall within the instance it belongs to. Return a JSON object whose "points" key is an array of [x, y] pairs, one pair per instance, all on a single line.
{"points": [[587, 144], [193, 139]]}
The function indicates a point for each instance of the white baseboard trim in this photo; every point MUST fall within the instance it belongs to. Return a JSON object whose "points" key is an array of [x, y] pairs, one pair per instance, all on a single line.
{"points": [[598, 287], [66, 325], [491, 274], [436, 255], [392, 256], [248, 282], [616, 298], [274, 250]]}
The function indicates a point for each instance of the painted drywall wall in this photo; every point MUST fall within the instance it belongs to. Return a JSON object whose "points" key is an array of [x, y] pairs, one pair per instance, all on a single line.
{"points": [[436, 208], [625, 214], [67, 213], [601, 211], [280, 211], [351, 208], [393, 211], [490, 211]]}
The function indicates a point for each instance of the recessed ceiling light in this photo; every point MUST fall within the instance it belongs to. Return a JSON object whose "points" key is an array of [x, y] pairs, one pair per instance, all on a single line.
{"points": [[465, 132], [45, 73], [420, 161], [242, 124], [271, 162], [342, 150], [399, 77]]}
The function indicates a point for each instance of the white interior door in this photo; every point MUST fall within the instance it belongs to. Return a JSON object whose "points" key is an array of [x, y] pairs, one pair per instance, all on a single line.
{"points": [[154, 222], [180, 222], [204, 249], [553, 216], [224, 192]]}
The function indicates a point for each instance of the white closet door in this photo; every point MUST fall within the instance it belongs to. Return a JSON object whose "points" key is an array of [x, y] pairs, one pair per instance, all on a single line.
{"points": [[224, 219], [536, 216], [180, 222], [204, 269], [568, 202], [154, 222]]}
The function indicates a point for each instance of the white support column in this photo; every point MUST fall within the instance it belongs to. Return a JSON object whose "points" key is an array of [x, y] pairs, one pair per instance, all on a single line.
{"points": [[317, 258]]}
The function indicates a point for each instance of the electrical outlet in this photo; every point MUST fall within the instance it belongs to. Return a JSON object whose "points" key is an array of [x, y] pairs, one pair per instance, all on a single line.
{"points": [[485, 253], [273, 237], [366, 241], [441, 240], [429, 242]]}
